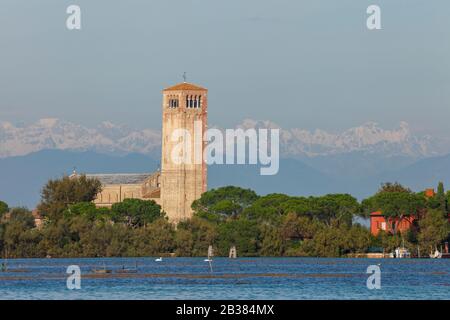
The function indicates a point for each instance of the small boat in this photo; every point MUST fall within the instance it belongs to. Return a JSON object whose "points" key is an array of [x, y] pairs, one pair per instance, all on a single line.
{"points": [[400, 253], [128, 270], [123, 270], [436, 255], [160, 259], [443, 254], [102, 271]]}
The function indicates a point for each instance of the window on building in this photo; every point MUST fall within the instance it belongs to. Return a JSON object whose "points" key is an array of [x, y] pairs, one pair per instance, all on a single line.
{"points": [[195, 102], [173, 103]]}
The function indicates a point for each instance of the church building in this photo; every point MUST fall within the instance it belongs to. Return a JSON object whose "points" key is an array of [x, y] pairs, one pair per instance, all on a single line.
{"points": [[175, 185]]}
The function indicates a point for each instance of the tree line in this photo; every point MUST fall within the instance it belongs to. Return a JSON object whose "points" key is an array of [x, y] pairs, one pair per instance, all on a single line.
{"points": [[270, 225]]}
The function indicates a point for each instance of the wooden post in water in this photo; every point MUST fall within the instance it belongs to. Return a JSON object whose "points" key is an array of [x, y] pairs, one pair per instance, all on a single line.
{"points": [[210, 255], [233, 253]]}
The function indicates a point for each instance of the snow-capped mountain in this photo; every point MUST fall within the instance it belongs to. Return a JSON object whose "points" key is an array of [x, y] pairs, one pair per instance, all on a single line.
{"points": [[16, 140], [368, 138], [64, 135]]}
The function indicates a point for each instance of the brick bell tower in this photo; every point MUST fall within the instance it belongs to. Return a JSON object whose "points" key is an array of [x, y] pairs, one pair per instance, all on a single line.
{"points": [[184, 107]]}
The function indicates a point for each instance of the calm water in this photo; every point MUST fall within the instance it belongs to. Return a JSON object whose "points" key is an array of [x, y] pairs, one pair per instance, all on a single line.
{"points": [[244, 278]]}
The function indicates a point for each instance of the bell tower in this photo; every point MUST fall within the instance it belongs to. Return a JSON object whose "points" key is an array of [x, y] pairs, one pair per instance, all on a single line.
{"points": [[184, 122]]}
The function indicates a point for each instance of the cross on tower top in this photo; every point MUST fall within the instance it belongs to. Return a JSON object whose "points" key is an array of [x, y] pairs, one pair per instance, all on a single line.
{"points": [[184, 77]]}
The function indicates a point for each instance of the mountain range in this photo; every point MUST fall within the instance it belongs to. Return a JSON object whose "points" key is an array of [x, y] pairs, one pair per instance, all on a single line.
{"points": [[22, 177], [369, 138], [354, 161], [55, 134]]}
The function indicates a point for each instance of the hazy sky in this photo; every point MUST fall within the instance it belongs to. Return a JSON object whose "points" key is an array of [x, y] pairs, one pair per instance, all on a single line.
{"points": [[310, 64]]}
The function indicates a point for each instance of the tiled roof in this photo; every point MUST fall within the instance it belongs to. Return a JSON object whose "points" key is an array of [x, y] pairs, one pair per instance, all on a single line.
{"points": [[185, 86], [120, 178]]}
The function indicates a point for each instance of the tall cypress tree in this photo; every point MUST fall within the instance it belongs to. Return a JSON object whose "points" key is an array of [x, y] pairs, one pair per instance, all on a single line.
{"points": [[440, 196]]}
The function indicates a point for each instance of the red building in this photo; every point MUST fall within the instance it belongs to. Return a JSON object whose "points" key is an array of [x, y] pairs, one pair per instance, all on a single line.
{"points": [[379, 222]]}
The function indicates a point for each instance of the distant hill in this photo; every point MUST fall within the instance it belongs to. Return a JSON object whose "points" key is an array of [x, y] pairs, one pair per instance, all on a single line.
{"points": [[423, 173], [21, 178], [294, 178]]}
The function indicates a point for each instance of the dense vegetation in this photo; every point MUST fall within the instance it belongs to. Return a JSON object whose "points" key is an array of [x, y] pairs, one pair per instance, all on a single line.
{"points": [[271, 225]]}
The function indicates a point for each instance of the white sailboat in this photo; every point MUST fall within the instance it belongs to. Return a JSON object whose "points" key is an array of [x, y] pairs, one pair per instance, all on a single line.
{"points": [[401, 252], [437, 254]]}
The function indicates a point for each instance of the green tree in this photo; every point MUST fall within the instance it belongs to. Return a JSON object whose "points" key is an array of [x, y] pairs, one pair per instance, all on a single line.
{"points": [[271, 243], [389, 241], [202, 233], [19, 238], [331, 208], [393, 187], [224, 202], [336, 208], [299, 228], [135, 212], [434, 228], [359, 239], [57, 195], [242, 233], [184, 242], [395, 206], [157, 239], [23, 216], [88, 210], [268, 208], [337, 241], [441, 198], [59, 234], [2, 235], [3, 208]]}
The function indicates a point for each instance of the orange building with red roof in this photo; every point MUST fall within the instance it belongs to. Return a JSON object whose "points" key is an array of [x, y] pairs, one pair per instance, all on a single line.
{"points": [[379, 222]]}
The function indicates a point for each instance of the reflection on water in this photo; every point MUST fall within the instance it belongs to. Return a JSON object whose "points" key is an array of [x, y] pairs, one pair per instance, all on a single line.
{"points": [[246, 278]]}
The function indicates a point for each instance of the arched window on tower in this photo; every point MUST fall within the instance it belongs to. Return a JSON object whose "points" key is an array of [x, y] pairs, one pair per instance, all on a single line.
{"points": [[195, 102], [199, 102], [173, 102]]}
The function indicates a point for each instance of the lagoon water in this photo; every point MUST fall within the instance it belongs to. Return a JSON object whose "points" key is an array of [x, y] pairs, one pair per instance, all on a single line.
{"points": [[242, 278]]}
